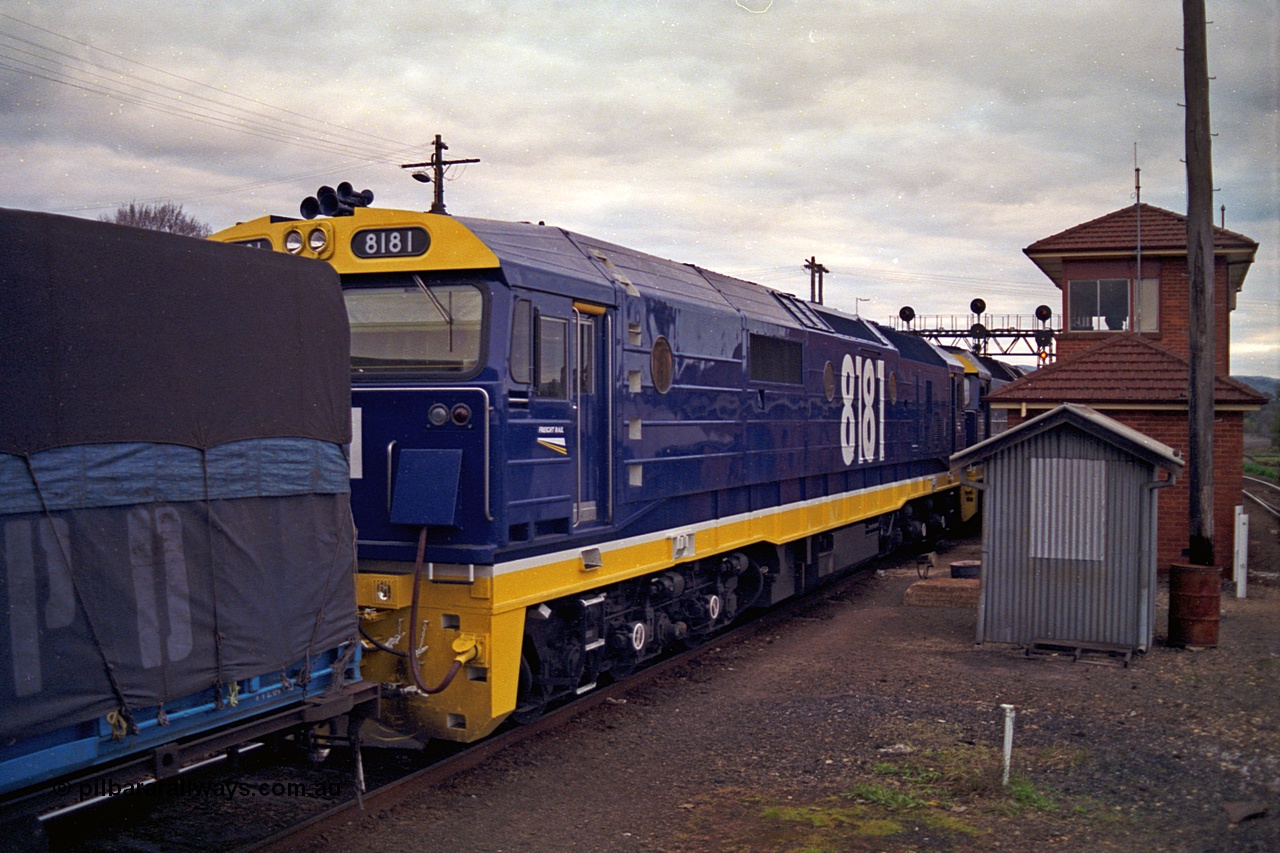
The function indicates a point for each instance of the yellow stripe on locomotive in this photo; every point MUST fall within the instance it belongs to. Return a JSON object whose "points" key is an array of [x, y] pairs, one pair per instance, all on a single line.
{"points": [[490, 609]]}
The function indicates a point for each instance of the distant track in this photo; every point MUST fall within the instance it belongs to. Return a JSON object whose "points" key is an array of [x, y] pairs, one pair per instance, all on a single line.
{"points": [[1267, 505]]}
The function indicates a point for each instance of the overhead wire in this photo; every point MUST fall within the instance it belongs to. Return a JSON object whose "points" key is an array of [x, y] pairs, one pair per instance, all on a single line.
{"points": [[343, 134], [843, 274], [44, 61], [142, 94]]}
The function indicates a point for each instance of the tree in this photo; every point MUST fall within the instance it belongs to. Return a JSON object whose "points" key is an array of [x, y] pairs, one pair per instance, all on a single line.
{"points": [[165, 217]]}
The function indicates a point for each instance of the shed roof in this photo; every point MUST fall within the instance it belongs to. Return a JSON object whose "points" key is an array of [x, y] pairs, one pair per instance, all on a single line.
{"points": [[1083, 418], [1163, 232], [1126, 368]]}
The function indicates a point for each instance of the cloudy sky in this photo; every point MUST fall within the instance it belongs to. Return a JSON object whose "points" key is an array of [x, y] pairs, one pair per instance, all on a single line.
{"points": [[913, 147]]}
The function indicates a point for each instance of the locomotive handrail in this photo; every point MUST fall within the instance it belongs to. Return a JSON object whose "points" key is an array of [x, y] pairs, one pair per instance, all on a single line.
{"points": [[577, 412], [391, 447]]}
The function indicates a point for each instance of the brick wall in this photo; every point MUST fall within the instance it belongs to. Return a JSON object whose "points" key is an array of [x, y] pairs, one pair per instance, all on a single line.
{"points": [[1171, 428]]}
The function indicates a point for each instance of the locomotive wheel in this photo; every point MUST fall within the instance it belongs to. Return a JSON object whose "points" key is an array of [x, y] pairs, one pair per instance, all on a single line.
{"points": [[531, 698]]}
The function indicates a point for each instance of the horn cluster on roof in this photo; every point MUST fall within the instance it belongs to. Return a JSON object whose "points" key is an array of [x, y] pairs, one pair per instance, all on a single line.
{"points": [[339, 202]]}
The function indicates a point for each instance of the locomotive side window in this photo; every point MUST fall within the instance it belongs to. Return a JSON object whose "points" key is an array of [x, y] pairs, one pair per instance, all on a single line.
{"points": [[522, 342], [584, 366], [553, 359], [437, 328]]}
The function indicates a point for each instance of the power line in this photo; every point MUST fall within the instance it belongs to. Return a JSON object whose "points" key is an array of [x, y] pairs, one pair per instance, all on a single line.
{"points": [[306, 122], [46, 62]]}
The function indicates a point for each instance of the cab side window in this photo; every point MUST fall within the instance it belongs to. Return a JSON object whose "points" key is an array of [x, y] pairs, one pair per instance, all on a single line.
{"points": [[553, 357], [522, 342]]}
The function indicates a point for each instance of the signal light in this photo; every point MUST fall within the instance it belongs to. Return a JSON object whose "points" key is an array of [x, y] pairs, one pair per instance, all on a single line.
{"points": [[907, 313], [1044, 337], [977, 306], [1043, 313], [979, 331]]}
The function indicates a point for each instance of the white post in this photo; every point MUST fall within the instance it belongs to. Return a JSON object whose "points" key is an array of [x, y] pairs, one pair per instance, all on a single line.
{"points": [[1009, 713], [1240, 559]]}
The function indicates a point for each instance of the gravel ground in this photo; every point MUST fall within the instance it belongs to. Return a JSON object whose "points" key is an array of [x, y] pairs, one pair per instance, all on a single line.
{"points": [[864, 724]]}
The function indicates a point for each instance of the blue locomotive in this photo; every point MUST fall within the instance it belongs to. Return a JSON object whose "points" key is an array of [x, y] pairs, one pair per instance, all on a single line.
{"points": [[176, 542], [568, 456]]}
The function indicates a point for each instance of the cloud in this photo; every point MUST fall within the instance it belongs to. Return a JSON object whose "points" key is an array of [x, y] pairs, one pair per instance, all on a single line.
{"points": [[914, 151]]}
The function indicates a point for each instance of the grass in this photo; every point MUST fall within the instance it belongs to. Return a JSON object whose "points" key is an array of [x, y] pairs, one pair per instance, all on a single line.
{"points": [[947, 793], [942, 794], [1258, 469]]}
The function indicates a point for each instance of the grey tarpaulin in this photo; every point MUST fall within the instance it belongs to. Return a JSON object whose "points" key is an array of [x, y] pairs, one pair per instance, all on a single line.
{"points": [[174, 494], [110, 333]]}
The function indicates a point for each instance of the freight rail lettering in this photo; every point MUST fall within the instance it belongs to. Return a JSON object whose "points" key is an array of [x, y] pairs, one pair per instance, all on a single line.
{"points": [[218, 790]]}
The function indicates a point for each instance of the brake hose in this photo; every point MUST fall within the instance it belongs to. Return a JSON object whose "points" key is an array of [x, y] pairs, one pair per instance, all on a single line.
{"points": [[467, 650]]}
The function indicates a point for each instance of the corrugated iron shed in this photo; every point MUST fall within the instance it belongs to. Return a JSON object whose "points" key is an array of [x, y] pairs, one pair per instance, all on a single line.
{"points": [[1069, 526]]}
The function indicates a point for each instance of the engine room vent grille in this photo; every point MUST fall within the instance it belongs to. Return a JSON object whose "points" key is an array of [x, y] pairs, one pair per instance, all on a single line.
{"points": [[776, 360]]}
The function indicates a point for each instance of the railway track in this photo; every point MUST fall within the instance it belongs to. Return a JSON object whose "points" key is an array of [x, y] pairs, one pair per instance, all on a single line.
{"points": [[261, 800], [1264, 493]]}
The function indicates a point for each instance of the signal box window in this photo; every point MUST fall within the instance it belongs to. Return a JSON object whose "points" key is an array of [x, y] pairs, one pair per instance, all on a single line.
{"points": [[553, 361], [436, 329], [1104, 305]]}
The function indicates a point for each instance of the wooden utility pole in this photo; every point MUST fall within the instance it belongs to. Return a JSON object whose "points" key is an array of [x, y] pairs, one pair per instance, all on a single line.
{"points": [[816, 271], [1200, 269], [437, 164]]}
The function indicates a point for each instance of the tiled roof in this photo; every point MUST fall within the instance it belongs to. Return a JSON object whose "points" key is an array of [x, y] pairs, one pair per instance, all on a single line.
{"points": [[1118, 231], [1124, 369]]}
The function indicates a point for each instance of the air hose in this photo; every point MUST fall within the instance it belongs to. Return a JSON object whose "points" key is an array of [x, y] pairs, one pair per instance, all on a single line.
{"points": [[466, 650]]}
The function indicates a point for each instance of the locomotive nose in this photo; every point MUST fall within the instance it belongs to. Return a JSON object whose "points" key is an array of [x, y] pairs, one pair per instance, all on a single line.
{"points": [[420, 458]]}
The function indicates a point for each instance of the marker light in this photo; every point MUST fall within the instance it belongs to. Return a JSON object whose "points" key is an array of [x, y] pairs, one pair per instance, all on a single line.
{"points": [[438, 415], [461, 414]]}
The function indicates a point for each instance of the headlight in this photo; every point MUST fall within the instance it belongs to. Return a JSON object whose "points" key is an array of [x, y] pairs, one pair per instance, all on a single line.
{"points": [[316, 240], [438, 415], [293, 242]]}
